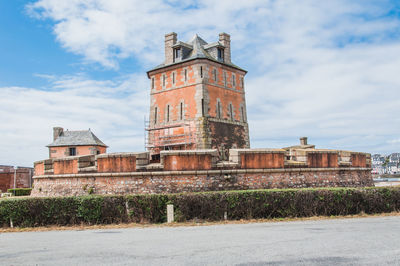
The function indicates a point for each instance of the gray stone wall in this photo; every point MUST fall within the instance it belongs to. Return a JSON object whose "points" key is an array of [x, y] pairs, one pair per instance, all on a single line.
{"points": [[196, 181]]}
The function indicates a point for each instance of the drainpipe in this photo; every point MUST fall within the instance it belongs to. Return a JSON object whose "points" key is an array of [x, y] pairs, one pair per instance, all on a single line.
{"points": [[15, 179]]}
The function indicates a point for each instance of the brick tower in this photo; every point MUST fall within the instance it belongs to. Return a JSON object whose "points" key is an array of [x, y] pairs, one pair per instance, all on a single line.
{"points": [[197, 98]]}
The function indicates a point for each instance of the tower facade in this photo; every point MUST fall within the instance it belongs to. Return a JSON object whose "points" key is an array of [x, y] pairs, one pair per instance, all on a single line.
{"points": [[197, 98]]}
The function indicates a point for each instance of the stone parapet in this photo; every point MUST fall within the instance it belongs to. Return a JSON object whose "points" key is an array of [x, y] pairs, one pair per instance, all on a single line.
{"points": [[189, 159], [358, 159], [201, 160], [38, 167], [67, 165], [344, 158], [258, 158], [44, 167], [120, 162], [322, 159], [86, 161]]}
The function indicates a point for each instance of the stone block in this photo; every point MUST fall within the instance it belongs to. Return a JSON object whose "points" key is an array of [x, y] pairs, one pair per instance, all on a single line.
{"points": [[116, 162], [322, 159], [188, 159], [257, 158], [358, 159], [67, 165]]}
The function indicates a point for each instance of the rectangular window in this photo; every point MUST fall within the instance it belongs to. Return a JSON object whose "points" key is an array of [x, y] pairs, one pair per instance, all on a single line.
{"points": [[173, 77], [242, 82], [185, 74], [219, 110], [201, 72], [221, 54], [155, 115], [72, 151], [163, 80], [242, 112], [167, 113], [233, 80], [224, 78], [152, 83], [231, 112], [215, 75], [177, 54], [202, 107], [181, 112]]}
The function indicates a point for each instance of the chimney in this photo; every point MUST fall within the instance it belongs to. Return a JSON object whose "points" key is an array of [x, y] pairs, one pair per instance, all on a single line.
{"points": [[57, 131], [170, 40], [225, 40], [303, 141]]}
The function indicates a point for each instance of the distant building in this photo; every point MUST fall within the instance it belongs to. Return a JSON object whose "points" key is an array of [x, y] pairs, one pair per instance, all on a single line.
{"points": [[393, 167], [72, 143], [394, 157], [377, 159], [389, 164], [19, 177]]}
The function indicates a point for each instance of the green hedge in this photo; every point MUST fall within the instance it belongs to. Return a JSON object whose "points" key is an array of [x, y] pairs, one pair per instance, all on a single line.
{"points": [[20, 191], [209, 206]]}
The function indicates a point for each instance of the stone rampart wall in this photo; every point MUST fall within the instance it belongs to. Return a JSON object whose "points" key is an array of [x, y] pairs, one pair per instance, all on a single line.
{"points": [[199, 170], [195, 181]]}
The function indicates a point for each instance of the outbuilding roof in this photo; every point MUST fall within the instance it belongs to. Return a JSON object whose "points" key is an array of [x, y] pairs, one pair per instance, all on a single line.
{"points": [[77, 138]]}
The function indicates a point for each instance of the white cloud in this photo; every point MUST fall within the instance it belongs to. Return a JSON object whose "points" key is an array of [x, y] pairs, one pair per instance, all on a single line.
{"points": [[325, 69], [74, 103]]}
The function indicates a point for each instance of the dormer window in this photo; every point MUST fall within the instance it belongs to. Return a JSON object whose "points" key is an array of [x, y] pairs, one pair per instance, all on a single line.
{"points": [[177, 54], [220, 54]]}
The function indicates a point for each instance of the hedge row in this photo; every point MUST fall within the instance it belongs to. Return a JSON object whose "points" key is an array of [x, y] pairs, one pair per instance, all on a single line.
{"points": [[20, 191], [210, 206]]}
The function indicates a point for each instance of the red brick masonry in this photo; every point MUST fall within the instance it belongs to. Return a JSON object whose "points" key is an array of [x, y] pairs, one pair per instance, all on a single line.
{"points": [[23, 177], [198, 170]]}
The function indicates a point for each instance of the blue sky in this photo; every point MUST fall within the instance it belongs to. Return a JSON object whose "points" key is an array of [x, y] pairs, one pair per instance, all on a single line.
{"points": [[323, 69]]}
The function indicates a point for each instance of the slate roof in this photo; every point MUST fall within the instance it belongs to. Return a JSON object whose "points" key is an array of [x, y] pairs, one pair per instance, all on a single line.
{"points": [[77, 138], [198, 48]]}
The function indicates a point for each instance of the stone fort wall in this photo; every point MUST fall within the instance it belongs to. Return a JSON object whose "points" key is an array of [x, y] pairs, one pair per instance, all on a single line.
{"points": [[200, 170]]}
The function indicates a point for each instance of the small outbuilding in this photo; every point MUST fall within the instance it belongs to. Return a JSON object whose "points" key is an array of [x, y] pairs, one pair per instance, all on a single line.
{"points": [[73, 143]]}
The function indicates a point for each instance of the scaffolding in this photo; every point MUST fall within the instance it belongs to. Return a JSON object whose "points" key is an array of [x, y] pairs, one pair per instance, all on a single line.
{"points": [[169, 136]]}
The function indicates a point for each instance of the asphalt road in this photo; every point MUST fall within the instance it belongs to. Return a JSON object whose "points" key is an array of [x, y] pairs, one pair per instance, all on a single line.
{"points": [[361, 241]]}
